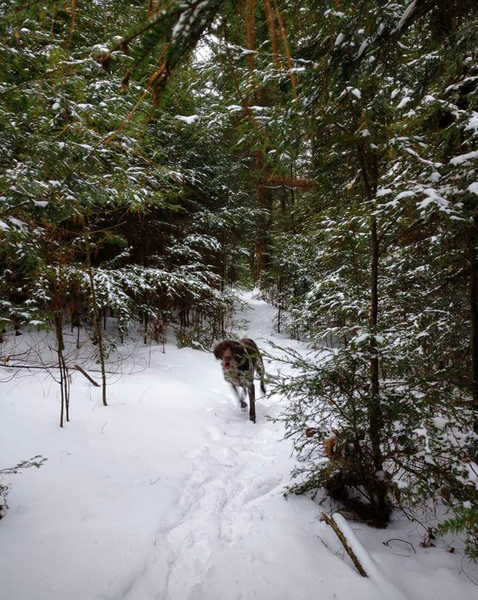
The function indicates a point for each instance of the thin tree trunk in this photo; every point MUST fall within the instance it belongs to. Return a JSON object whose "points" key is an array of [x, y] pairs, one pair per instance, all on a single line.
{"points": [[64, 387], [251, 32], [375, 415], [473, 244], [279, 313], [72, 22], [375, 411], [96, 323], [146, 323], [263, 227]]}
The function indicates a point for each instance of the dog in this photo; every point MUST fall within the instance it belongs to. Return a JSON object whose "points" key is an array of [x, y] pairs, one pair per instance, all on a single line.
{"points": [[240, 362]]}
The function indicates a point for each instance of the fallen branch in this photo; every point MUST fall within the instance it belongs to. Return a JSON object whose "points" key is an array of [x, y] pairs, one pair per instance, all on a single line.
{"points": [[83, 372], [49, 367], [330, 521]]}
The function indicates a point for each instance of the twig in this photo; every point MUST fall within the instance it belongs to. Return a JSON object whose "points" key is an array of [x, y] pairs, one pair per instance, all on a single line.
{"points": [[399, 540], [466, 574]]}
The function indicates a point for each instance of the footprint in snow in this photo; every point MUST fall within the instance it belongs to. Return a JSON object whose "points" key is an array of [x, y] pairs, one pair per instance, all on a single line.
{"points": [[263, 489]]}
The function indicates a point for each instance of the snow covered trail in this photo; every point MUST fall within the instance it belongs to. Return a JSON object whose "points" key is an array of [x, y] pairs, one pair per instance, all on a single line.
{"points": [[222, 493], [171, 493]]}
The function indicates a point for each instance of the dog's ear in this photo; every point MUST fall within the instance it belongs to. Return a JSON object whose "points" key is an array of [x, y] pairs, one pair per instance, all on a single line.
{"points": [[239, 350], [221, 348], [250, 346]]}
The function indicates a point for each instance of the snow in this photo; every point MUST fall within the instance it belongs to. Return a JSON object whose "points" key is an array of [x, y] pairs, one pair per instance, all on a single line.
{"points": [[439, 422], [405, 15], [473, 123], [340, 38], [187, 119], [366, 560], [404, 101], [170, 493], [362, 48], [473, 188], [405, 195], [100, 49], [464, 158], [433, 198]]}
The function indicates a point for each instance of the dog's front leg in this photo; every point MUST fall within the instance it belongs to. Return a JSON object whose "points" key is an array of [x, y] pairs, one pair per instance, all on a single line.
{"points": [[252, 403]]}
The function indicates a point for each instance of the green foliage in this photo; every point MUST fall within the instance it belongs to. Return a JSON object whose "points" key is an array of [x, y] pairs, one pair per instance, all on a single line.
{"points": [[337, 169], [392, 143], [85, 164], [466, 520]]}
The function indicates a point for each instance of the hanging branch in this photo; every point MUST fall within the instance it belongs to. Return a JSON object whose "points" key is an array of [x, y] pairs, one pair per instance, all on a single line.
{"points": [[179, 28]]}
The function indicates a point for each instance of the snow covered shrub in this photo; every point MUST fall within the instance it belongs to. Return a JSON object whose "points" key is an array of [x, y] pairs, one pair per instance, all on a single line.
{"points": [[330, 418], [410, 446], [4, 489], [391, 276], [36, 461]]}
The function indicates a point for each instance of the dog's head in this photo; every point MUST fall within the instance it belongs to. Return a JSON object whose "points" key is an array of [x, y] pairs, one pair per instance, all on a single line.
{"points": [[231, 354]]}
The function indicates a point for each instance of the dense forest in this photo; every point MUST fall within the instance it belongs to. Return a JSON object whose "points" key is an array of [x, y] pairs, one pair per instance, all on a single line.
{"points": [[157, 155]]}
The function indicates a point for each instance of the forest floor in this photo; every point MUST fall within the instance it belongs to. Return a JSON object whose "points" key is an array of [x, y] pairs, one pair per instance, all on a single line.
{"points": [[170, 493]]}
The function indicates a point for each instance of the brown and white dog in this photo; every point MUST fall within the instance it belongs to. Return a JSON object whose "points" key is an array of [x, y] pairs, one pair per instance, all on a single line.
{"points": [[240, 361]]}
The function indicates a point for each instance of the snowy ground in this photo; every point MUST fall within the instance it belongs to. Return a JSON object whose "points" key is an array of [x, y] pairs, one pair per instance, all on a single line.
{"points": [[170, 493]]}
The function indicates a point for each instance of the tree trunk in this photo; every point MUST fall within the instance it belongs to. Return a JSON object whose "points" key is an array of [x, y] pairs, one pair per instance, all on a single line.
{"points": [[96, 323], [375, 413], [473, 244], [264, 198], [64, 387]]}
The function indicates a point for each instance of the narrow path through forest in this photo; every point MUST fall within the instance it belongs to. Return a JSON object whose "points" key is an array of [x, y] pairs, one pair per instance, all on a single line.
{"points": [[171, 493], [231, 534]]}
